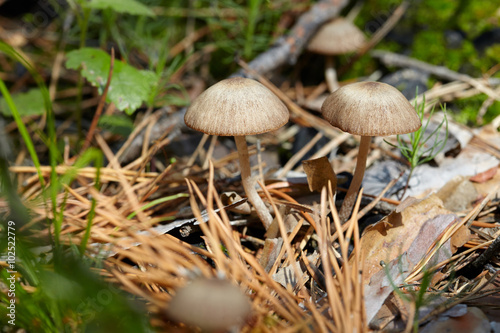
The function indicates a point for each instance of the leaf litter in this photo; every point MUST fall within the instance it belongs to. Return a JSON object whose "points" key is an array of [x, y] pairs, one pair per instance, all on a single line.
{"points": [[287, 284], [309, 272]]}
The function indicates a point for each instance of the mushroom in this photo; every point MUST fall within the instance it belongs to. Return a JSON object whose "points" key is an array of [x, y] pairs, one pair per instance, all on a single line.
{"points": [[213, 305], [238, 107], [336, 37], [368, 109]]}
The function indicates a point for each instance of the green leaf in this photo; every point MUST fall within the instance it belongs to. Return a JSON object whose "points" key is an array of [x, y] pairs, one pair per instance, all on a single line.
{"points": [[28, 104], [129, 86], [122, 6]]}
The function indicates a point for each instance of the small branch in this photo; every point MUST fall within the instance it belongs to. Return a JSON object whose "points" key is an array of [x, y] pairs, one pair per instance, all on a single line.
{"points": [[397, 14], [399, 60], [486, 256], [100, 107], [288, 48]]}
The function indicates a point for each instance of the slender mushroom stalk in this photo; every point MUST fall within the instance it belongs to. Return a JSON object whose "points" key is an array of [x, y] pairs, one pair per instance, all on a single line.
{"points": [[368, 109], [239, 107], [359, 172], [249, 183], [331, 74]]}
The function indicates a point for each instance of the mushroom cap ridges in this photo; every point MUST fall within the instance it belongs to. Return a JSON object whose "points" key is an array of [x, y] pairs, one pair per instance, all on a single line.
{"points": [[236, 107], [370, 109], [339, 36]]}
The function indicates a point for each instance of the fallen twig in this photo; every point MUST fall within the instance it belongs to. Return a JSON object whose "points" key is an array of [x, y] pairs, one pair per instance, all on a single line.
{"points": [[491, 251], [100, 107], [399, 60], [397, 14], [288, 48]]}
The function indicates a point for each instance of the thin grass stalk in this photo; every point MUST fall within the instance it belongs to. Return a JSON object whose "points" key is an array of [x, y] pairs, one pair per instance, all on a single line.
{"points": [[349, 281], [318, 319], [358, 283], [91, 215], [220, 235], [354, 298], [232, 241], [212, 215], [51, 143], [215, 244], [340, 236], [235, 264], [22, 130], [333, 297], [126, 187], [283, 231], [277, 262], [291, 312]]}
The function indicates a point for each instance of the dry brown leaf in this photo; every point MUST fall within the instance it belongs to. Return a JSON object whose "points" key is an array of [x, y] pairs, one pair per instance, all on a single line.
{"points": [[484, 176], [399, 242], [489, 186], [229, 198], [319, 171], [461, 237], [394, 235]]}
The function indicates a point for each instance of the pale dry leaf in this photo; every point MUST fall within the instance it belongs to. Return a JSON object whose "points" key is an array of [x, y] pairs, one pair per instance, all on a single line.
{"points": [[380, 286], [319, 171], [272, 248], [394, 235], [458, 194]]}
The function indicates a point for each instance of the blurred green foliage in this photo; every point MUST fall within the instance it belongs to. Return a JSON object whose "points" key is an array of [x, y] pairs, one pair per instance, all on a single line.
{"points": [[426, 24], [442, 33], [465, 110], [29, 103]]}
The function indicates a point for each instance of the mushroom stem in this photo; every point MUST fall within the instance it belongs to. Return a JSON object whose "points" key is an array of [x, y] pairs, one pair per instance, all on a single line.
{"points": [[249, 184], [331, 74], [350, 197]]}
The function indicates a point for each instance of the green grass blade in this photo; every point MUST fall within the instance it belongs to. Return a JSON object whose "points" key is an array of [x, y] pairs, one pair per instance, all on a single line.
{"points": [[159, 201], [22, 129]]}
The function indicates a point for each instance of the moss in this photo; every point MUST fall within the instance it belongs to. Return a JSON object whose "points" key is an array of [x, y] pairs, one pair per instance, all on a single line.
{"points": [[465, 110], [427, 21], [478, 16], [492, 56], [435, 14], [362, 67]]}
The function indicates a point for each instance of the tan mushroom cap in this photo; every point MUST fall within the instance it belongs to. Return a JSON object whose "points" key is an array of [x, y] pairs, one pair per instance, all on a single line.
{"points": [[337, 37], [211, 304], [370, 109], [236, 107]]}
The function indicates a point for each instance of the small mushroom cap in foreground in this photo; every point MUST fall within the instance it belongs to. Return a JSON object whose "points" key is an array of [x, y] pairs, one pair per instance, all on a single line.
{"points": [[210, 304], [236, 107], [370, 109], [339, 36]]}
